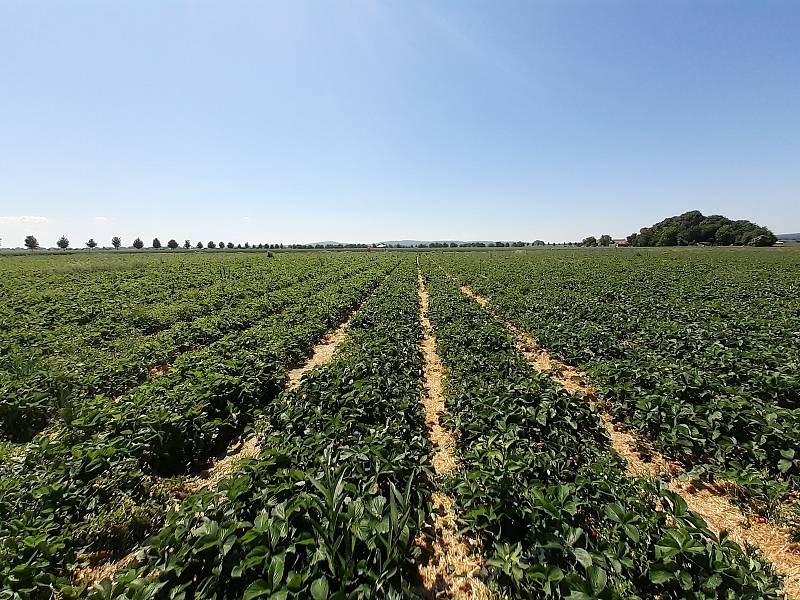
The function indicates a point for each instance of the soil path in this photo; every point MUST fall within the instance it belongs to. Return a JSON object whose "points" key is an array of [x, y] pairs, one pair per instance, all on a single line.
{"points": [[709, 502], [451, 571]]}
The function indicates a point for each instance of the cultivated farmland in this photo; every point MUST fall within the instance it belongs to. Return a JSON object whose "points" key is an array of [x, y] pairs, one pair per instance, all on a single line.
{"points": [[603, 423]]}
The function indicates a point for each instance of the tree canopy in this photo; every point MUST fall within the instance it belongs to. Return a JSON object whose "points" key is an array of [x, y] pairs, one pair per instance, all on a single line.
{"points": [[695, 228]]}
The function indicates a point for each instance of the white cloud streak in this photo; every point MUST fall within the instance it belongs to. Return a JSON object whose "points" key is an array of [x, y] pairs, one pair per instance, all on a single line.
{"points": [[23, 220]]}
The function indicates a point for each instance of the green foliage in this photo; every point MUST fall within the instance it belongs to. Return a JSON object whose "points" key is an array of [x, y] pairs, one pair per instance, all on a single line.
{"points": [[95, 485], [31, 243], [116, 242], [138, 243], [63, 242], [694, 228], [543, 490], [694, 349], [339, 493]]}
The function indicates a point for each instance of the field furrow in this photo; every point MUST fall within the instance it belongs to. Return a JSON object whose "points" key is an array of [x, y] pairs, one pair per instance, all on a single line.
{"points": [[453, 568], [543, 488], [720, 514]]}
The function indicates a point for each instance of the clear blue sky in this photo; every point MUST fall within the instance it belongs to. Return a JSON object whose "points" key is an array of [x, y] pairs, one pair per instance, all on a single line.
{"points": [[359, 121]]}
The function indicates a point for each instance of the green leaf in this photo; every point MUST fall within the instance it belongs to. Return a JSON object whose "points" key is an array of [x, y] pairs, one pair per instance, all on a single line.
{"points": [[258, 588], [632, 532], [598, 579], [659, 577], [712, 582], [583, 557], [319, 589]]}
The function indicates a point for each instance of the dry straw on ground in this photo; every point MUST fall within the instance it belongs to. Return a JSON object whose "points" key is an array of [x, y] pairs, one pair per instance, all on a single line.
{"points": [[708, 501], [323, 353], [452, 570]]}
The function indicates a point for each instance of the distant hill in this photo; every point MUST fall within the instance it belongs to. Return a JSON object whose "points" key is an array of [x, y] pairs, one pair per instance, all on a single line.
{"points": [[788, 236], [695, 228], [409, 243]]}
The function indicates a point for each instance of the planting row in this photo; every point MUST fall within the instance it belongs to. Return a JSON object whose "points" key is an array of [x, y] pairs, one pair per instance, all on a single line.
{"points": [[332, 505], [698, 350], [107, 297], [62, 383], [97, 485], [546, 494]]}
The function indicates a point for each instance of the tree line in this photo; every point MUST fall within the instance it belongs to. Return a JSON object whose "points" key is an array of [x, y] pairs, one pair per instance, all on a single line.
{"points": [[63, 242]]}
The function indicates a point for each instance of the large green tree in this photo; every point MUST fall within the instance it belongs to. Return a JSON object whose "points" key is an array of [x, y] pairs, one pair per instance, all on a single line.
{"points": [[694, 228]]}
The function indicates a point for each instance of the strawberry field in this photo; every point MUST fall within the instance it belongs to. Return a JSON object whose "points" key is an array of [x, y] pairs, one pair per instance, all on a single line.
{"points": [[130, 386], [697, 352]]}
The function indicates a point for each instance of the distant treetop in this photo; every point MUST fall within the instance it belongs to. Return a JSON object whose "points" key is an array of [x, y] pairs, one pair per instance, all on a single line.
{"points": [[694, 228]]}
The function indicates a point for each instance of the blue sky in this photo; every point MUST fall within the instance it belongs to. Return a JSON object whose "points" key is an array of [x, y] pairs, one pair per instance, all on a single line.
{"points": [[359, 121]]}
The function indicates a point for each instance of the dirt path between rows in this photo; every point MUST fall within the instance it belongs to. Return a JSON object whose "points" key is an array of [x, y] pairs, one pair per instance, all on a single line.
{"points": [[240, 450], [709, 502], [451, 571]]}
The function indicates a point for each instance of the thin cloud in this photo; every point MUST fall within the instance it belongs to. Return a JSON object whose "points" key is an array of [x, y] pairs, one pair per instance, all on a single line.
{"points": [[23, 220], [102, 220]]}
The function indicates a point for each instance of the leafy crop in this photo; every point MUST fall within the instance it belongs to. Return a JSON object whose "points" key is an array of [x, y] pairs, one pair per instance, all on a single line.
{"points": [[96, 486], [332, 506], [698, 350], [60, 351], [548, 496]]}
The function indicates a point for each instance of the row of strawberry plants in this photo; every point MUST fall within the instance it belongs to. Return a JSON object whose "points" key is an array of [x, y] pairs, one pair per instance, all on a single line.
{"points": [[340, 491], [29, 403], [697, 350], [549, 497], [77, 319], [60, 313], [99, 485], [53, 291]]}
